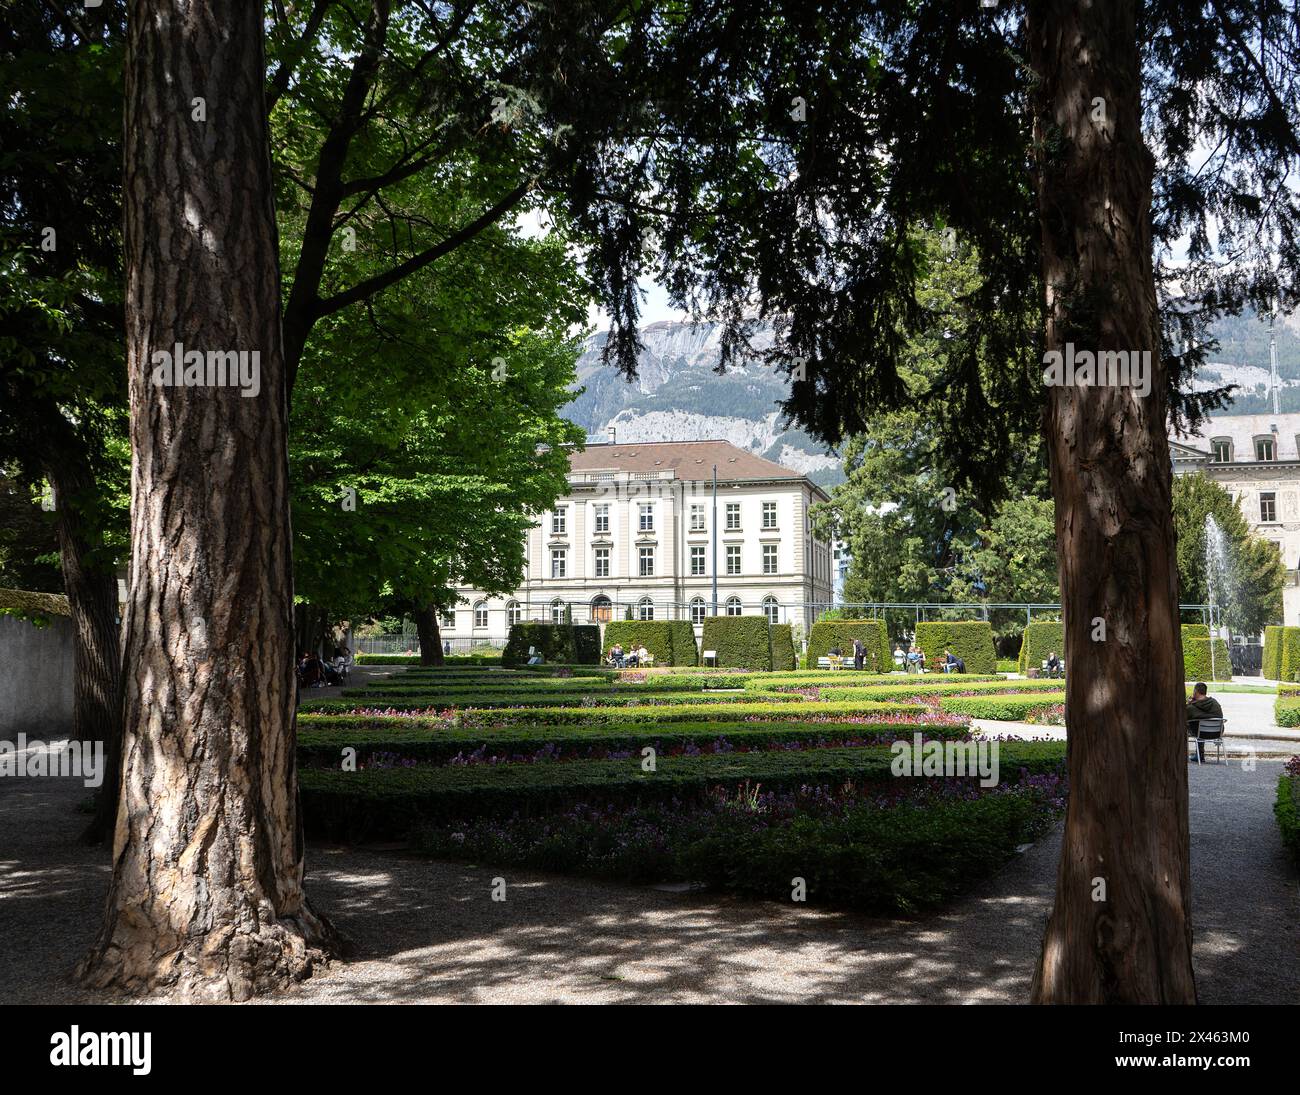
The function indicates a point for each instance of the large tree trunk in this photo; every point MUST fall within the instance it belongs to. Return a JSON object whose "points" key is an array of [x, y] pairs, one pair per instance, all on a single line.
{"points": [[1120, 931], [426, 627], [207, 892], [91, 585]]}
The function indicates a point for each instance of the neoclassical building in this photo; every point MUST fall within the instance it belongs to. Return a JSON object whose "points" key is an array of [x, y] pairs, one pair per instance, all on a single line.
{"points": [[1256, 458], [637, 531]]}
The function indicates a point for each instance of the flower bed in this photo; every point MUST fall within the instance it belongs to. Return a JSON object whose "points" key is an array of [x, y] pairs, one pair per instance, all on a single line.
{"points": [[389, 802], [897, 848]]}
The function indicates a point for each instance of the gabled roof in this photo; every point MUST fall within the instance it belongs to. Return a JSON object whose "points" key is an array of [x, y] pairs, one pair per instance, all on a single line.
{"points": [[686, 459]]}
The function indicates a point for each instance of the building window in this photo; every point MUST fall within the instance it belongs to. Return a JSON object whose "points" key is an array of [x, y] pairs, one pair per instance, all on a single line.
{"points": [[771, 610], [769, 558], [1267, 506], [697, 517], [1265, 448], [602, 517], [480, 614], [1221, 448], [697, 610], [734, 607], [647, 562], [601, 610], [557, 612], [733, 516], [559, 563], [733, 558], [602, 563], [514, 613], [647, 521], [448, 618], [560, 521], [697, 561], [645, 609], [769, 515]]}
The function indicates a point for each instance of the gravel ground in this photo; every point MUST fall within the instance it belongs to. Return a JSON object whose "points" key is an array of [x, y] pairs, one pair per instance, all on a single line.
{"points": [[428, 931]]}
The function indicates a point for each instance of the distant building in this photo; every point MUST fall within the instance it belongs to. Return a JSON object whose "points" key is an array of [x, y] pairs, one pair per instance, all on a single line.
{"points": [[636, 532], [1256, 458]]}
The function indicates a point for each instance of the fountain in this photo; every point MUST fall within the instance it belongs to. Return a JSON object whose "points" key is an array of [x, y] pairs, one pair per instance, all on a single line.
{"points": [[1218, 565]]}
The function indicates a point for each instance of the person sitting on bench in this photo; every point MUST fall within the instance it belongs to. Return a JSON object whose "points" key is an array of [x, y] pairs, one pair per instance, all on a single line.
{"points": [[1053, 664], [1201, 706]]}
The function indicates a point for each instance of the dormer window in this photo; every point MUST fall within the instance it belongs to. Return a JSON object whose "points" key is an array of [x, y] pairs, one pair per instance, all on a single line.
{"points": [[1221, 448], [1265, 449]]}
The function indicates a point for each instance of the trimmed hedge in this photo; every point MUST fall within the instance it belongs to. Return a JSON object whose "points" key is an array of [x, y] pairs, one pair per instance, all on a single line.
{"points": [[449, 661], [1197, 665], [783, 654], [389, 802], [1287, 811], [321, 742], [1290, 662], [575, 644], [939, 687], [1015, 708], [1271, 665], [971, 641], [1039, 640], [1195, 631], [1286, 709], [672, 711], [762, 682], [664, 639], [873, 633], [741, 642]]}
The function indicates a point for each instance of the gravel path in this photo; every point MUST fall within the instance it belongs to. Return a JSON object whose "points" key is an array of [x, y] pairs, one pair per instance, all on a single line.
{"points": [[428, 931]]}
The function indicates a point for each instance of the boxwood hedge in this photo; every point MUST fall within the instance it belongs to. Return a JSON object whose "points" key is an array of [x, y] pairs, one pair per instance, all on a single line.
{"points": [[1038, 640], [576, 644], [970, 640], [1287, 811], [873, 633], [783, 654], [1197, 665], [741, 642], [387, 802], [1012, 708], [670, 642], [1271, 663]]}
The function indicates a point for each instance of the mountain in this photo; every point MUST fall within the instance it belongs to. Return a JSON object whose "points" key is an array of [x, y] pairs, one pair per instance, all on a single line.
{"points": [[677, 396]]}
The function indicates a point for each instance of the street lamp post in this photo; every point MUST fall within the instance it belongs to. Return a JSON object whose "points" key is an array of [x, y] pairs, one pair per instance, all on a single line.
{"points": [[714, 539]]}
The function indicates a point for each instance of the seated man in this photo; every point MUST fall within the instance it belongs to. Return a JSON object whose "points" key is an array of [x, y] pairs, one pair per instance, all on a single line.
{"points": [[1053, 664], [643, 656], [952, 663], [1202, 706], [835, 655], [616, 655]]}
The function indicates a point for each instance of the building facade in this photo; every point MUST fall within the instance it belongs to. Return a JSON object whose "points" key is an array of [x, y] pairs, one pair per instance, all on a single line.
{"points": [[642, 530], [1256, 459]]}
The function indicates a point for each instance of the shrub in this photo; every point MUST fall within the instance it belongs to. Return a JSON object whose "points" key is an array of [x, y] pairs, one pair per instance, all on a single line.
{"points": [[654, 635], [1039, 640], [937, 686], [389, 802], [1290, 661], [1196, 631], [1197, 665], [576, 644], [1287, 807], [1271, 665], [971, 641], [1286, 709], [783, 655], [873, 633], [741, 642], [685, 652], [1015, 708]]}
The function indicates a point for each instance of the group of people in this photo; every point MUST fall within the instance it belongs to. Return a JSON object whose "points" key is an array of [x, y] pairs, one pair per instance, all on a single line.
{"points": [[315, 673], [628, 659], [859, 653], [911, 659]]}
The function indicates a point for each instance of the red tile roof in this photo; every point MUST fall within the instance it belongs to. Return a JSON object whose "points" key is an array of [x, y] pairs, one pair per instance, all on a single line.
{"points": [[686, 459]]}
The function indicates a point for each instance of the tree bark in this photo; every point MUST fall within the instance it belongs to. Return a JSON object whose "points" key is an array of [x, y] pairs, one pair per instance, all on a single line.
{"points": [[426, 627], [1120, 930], [91, 586], [207, 894]]}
